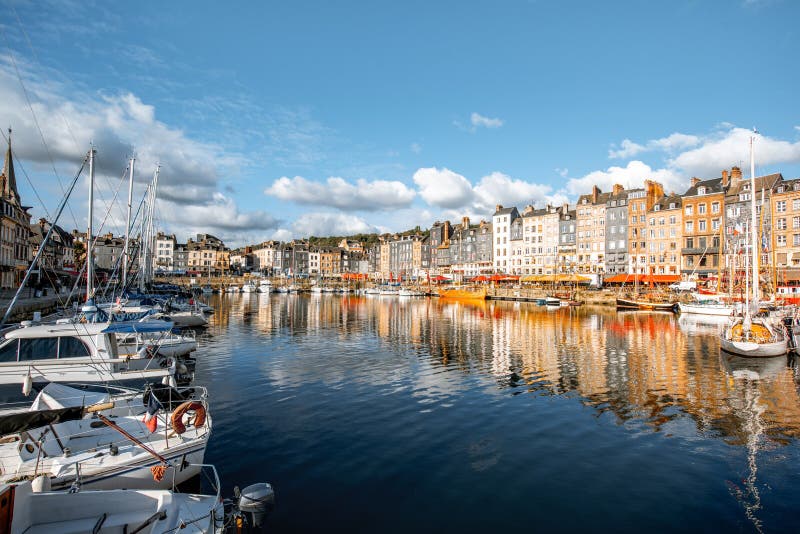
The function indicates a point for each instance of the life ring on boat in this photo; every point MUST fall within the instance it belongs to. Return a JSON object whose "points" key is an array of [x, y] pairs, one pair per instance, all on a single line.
{"points": [[188, 406]]}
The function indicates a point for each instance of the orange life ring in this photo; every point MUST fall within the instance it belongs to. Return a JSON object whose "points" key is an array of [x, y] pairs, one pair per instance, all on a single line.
{"points": [[188, 406]]}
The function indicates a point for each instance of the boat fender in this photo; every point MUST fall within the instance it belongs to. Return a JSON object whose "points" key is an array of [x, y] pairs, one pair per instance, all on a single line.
{"points": [[27, 384], [188, 406]]}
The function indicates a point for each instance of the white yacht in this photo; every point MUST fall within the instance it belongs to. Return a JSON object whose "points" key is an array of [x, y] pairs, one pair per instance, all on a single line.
{"points": [[99, 441], [265, 286], [77, 352]]}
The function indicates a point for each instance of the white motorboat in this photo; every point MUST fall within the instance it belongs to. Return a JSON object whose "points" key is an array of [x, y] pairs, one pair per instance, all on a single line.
{"points": [[316, 290], [232, 289], [77, 352], [249, 287], [265, 286], [106, 451], [32, 508], [163, 343]]}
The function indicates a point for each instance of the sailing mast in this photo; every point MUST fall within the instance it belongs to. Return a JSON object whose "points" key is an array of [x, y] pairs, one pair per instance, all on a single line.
{"points": [[753, 225], [89, 260], [125, 253]]}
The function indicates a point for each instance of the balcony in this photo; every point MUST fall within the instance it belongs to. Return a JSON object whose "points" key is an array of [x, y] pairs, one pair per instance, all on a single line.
{"points": [[700, 250]]}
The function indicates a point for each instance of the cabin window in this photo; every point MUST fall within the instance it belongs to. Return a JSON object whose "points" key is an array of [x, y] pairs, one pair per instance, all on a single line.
{"points": [[44, 348], [71, 347], [8, 352]]}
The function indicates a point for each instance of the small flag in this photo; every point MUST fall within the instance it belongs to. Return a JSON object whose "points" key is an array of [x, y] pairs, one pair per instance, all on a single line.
{"points": [[737, 229], [150, 419]]}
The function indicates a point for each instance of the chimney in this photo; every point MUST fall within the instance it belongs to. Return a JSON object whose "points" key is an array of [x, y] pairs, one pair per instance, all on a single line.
{"points": [[42, 222], [498, 208], [696, 180], [465, 223], [725, 178], [595, 193], [736, 175], [565, 208], [618, 189]]}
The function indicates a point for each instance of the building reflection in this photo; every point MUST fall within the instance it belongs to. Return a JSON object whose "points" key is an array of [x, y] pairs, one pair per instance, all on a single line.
{"points": [[646, 367]]}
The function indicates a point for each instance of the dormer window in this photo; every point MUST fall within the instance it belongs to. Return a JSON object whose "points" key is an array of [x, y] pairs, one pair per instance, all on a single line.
{"points": [[701, 190], [656, 207], [780, 189], [672, 205]]}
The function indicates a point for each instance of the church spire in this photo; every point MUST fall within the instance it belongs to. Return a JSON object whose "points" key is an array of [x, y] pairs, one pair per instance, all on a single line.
{"points": [[9, 179]]}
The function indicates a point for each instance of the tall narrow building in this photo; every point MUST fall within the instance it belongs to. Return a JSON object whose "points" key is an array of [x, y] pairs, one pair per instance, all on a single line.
{"points": [[15, 251]]}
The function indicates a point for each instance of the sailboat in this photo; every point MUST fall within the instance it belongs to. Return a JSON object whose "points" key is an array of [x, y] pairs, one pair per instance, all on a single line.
{"points": [[749, 334]]}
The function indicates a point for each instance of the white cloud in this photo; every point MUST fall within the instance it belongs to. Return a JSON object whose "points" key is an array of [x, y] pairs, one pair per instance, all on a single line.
{"points": [[338, 193], [675, 141], [631, 176], [416, 148], [498, 188], [329, 224], [443, 187], [479, 120], [722, 150]]}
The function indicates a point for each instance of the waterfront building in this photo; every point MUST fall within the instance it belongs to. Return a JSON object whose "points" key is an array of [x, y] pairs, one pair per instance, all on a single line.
{"points": [[786, 244], [241, 259], [330, 261], [703, 223], [405, 255], [516, 247], [57, 262], [264, 255], [501, 233], [591, 237], [540, 229], [107, 251], [617, 231], [384, 268], [664, 236], [352, 246], [314, 267], [165, 252], [207, 253], [567, 251], [738, 214], [294, 258], [640, 202], [180, 258], [15, 231], [439, 234], [470, 249]]}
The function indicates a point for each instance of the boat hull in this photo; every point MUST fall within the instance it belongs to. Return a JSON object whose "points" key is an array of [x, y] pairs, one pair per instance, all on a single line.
{"points": [[463, 294], [635, 304], [719, 310]]}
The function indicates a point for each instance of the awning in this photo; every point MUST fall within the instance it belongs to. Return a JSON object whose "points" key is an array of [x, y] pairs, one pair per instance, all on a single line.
{"points": [[560, 278], [642, 279]]}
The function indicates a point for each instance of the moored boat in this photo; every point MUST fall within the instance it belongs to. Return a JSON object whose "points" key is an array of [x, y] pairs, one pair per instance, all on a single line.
{"points": [[644, 304], [464, 293]]}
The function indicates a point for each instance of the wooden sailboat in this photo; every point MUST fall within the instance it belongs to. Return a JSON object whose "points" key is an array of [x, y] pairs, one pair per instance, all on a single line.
{"points": [[749, 334]]}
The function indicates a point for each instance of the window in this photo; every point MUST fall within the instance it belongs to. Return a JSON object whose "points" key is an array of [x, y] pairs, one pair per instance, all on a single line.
{"points": [[796, 204], [701, 209], [689, 210], [780, 240], [715, 224], [38, 348], [8, 352], [701, 225], [71, 347], [689, 226], [701, 190], [689, 242], [780, 224], [780, 206], [715, 207], [796, 240]]}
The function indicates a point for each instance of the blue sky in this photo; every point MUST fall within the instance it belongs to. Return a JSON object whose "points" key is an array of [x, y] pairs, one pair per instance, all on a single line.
{"points": [[286, 119]]}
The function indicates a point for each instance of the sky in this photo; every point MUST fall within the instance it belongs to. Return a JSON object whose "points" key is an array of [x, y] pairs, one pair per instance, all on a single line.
{"points": [[281, 120]]}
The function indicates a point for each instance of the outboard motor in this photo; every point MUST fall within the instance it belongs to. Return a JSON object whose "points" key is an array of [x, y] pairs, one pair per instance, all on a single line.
{"points": [[258, 500], [788, 323]]}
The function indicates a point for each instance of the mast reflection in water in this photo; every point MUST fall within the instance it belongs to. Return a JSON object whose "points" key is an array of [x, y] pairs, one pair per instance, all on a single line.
{"points": [[387, 414]]}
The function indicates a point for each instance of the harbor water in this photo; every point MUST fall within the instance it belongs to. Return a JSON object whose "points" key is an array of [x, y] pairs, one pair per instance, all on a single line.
{"points": [[388, 414]]}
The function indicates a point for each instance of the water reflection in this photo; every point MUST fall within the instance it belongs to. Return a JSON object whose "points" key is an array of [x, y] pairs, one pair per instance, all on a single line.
{"points": [[354, 391], [645, 366]]}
